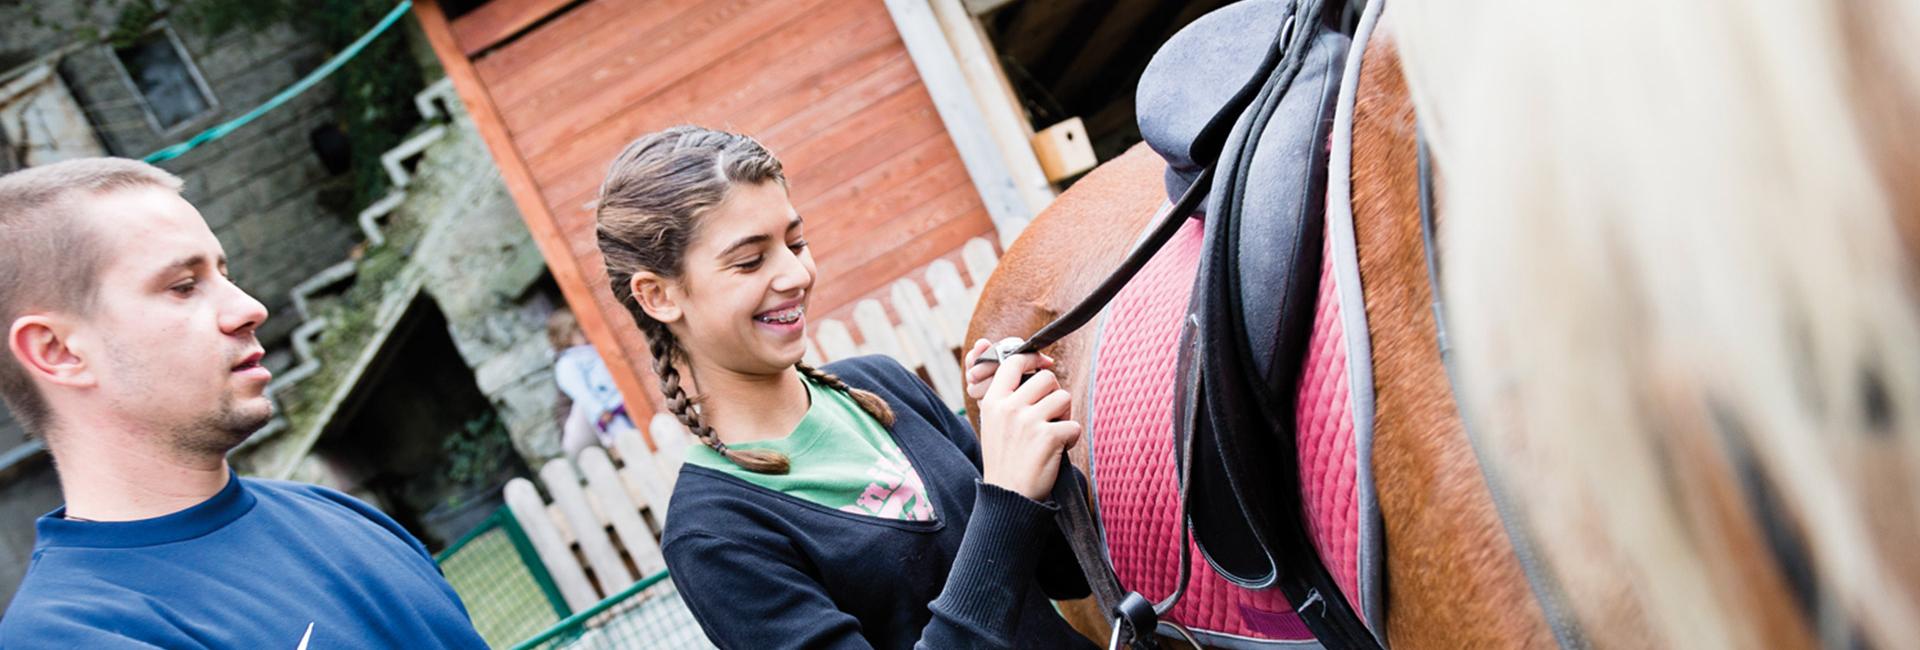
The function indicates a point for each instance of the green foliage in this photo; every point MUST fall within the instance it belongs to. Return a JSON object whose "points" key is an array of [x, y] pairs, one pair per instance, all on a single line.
{"points": [[132, 24], [375, 90], [131, 20], [477, 452]]}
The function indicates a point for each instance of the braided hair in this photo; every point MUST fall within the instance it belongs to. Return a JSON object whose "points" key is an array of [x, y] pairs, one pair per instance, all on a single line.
{"points": [[654, 193]]}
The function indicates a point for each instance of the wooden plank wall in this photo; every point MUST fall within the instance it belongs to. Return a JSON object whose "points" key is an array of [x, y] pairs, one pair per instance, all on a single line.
{"points": [[826, 84]]}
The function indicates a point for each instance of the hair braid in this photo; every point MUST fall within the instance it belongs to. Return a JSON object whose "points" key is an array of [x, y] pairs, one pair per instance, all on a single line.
{"points": [[653, 199], [661, 344], [868, 401]]}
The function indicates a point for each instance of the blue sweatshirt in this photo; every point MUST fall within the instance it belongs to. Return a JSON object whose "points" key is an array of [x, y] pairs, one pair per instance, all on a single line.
{"points": [[762, 569], [262, 564]]}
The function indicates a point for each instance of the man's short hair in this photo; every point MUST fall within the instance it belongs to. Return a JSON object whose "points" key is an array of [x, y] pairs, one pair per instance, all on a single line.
{"points": [[51, 259]]}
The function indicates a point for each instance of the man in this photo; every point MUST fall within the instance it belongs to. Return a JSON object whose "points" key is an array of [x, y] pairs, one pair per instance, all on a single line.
{"points": [[133, 356]]}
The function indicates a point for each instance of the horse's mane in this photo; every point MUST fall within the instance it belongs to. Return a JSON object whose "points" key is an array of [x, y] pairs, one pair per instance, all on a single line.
{"points": [[1678, 236]]}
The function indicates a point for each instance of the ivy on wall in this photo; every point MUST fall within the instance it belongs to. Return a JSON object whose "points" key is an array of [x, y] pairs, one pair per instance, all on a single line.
{"points": [[374, 91]]}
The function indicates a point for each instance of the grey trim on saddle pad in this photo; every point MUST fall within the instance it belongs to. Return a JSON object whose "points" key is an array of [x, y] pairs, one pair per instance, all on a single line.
{"points": [[1237, 642], [1343, 246]]}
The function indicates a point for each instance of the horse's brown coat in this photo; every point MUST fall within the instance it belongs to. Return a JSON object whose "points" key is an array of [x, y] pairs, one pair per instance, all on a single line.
{"points": [[1062, 256], [1452, 577], [1453, 581]]}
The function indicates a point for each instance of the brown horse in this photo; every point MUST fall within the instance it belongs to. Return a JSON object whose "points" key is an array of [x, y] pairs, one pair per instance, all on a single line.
{"points": [[1452, 575]]}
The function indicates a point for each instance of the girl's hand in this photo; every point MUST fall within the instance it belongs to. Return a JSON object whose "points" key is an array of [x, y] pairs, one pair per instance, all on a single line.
{"points": [[978, 376], [1024, 427]]}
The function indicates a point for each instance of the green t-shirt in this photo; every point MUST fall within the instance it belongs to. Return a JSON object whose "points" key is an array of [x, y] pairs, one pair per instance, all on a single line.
{"points": [[841, 458]]}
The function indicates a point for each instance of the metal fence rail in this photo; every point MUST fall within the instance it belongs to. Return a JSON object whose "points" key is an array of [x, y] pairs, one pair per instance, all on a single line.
{"points": [[648, 614], [506, 589], [514, 603]]}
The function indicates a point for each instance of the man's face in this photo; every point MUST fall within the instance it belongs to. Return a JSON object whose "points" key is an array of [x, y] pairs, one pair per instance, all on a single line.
{"points": [[169, 339]]}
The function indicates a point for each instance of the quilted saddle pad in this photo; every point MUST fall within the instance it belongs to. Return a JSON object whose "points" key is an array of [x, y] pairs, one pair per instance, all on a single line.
{"points": [[1131, 431]]}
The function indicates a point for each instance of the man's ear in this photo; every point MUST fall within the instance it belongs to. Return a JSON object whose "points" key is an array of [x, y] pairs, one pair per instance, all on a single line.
{"points": [[657, 296], [40, 343]]}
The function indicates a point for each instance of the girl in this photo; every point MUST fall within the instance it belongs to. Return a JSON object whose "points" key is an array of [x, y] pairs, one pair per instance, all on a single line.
{"points": [[838, 507], [594, 410]]}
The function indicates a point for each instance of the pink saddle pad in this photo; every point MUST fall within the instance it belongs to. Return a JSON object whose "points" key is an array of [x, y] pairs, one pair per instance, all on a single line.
{"points": [[1131, 427]]}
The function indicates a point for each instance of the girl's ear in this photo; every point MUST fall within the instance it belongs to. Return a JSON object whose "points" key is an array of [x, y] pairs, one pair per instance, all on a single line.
{"points": [[656, 296]]}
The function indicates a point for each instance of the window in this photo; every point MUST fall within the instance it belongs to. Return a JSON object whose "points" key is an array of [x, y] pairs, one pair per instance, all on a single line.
{"points": [[9, 159], [163, 75], [41, 123]]}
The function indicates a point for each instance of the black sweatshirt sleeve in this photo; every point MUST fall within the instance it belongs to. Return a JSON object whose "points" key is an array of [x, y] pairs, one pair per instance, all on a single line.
{"points": [[1058, 571], [745, 597]]}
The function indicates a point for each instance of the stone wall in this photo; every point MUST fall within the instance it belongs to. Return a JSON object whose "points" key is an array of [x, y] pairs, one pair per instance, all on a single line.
{"points": [[457, 237], [274, 206], [269, 199]]}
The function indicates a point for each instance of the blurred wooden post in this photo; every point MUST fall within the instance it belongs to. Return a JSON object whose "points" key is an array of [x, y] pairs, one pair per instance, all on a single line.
{"points": [[608, 570], [606, 486], [523, 500]]}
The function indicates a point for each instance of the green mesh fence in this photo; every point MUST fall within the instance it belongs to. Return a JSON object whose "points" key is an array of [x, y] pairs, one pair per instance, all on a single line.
{"points": [[514, 603], [647, 615], [504, 585]]}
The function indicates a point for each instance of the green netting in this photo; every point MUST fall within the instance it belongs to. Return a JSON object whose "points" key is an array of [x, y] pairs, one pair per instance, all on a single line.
{"points": [[506, 589], [647, 615], [513, 600]]}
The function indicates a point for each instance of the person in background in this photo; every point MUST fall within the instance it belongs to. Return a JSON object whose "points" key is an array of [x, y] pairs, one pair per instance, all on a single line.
{"points": [[596, 412]]}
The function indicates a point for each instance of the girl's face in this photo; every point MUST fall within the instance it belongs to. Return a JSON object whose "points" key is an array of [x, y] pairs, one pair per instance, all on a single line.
{"points": [[741, 299]]}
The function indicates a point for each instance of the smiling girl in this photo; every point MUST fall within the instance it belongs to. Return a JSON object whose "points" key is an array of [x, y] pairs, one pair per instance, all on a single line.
{"points": [[842, 506]]}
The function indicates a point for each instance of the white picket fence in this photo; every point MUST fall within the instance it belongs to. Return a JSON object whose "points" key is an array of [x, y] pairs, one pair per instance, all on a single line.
{"points": [[598, 501], [928, 334]]}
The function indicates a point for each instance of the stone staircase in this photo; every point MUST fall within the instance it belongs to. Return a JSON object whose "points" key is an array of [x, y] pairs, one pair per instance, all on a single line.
{"points": [[438, 105]]}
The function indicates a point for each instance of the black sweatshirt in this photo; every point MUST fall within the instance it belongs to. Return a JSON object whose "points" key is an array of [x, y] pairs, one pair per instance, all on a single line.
{"points": [[762, 569]]}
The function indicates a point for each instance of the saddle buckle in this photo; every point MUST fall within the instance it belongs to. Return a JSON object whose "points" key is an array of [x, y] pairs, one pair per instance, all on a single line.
{"points": [[1002, 351], [1135, 615]]}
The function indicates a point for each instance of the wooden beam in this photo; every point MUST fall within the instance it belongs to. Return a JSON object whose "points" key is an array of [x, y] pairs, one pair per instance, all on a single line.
{"points": [[1113, 35], [940, 70], [1004, 117], [1036, 25], [984, 7], [499, 21], [533, 210]]}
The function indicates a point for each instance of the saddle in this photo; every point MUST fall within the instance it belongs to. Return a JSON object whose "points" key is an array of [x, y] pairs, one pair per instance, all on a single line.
{"points": [[1257, 154], [1252, 308]]}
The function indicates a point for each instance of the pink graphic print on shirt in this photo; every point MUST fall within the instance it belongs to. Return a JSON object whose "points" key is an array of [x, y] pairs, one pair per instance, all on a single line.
{"points": [[896, 491]]}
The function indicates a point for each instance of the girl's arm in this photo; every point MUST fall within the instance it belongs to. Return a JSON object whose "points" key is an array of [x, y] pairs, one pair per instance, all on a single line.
{"points": [[750, 597], [1058, 570]]}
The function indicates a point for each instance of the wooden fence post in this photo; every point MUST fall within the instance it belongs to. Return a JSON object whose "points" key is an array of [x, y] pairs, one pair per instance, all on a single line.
{"points": [[523, 500], [588, 529], [606, 485]]}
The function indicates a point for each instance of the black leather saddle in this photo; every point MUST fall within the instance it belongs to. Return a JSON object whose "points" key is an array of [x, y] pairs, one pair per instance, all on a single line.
{"points": [[1252, 307]]}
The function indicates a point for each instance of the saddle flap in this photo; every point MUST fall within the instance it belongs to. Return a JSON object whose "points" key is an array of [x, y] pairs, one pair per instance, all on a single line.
{"points": [[1254, 296]]}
